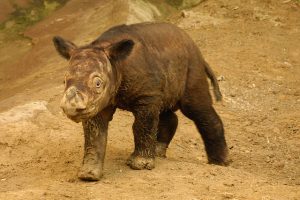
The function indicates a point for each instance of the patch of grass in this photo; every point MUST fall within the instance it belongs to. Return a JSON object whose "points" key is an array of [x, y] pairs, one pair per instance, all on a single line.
{"points": [[13, 28]]}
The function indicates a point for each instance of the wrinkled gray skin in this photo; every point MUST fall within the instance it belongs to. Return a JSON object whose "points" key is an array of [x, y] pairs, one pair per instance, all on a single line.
{"points": [[151, 70]]}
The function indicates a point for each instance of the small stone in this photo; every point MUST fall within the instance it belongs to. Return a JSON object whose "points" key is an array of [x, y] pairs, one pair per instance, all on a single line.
{"points": [[221, 78], [287, 64], [228, 195], [252, 85], [286, 1], [228, 184], [106, 182], [280, 165], [184, 14], [212, 173], [71, 180], [275, 91], [59, 19], [67, 196]]}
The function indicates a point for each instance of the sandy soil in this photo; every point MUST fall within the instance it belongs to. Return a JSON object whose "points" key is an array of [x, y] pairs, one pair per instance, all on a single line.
{"points": [[254, 47]]}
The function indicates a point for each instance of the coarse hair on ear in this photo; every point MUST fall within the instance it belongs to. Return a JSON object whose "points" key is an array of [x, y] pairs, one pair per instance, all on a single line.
{"points": [[119, 50], [63, 47]]}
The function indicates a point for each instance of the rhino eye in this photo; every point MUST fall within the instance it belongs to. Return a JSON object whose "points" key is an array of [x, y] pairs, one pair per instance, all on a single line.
{"points": [[97, 82]]}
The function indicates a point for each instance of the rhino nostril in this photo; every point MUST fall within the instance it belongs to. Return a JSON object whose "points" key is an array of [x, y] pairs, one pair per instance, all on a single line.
{"points": [[80, 109]]}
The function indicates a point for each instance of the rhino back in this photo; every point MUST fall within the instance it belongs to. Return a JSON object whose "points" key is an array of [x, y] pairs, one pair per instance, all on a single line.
{"points": [[158, 64]]}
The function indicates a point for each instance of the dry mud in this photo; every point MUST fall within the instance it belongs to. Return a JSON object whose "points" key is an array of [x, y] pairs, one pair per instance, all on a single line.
{"points": [[254, 47]]}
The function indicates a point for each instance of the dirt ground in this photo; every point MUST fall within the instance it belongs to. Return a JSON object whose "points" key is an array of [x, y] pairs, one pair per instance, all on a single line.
{"points": [[254, 47]]}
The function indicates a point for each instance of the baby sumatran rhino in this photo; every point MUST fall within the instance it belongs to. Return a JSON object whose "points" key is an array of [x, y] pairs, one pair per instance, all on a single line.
{"points": [[151, 70]]}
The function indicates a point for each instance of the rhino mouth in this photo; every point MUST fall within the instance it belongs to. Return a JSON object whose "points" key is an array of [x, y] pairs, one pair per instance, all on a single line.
{"points": [[78, 118], [82, 116]]}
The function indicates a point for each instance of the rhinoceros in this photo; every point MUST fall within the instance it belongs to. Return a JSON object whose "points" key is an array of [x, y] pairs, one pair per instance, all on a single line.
{"points": [[151, 70]]}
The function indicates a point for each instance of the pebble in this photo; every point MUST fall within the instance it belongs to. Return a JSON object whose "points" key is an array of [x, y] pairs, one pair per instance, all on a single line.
{"points": [[229, 184], [185, 14], [106, 182], [286, 1], [280, 165], [228, 195], [212, 173], [287, 64], [221, 78], [59, 19]]}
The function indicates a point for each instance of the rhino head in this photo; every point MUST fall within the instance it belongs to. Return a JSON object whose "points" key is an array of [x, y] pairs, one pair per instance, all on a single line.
{"points": [[91, 80]]}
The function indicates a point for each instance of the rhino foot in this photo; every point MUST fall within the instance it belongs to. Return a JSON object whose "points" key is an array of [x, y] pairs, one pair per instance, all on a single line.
{"points": [[90, 172], [161, 150], [139, 162]]}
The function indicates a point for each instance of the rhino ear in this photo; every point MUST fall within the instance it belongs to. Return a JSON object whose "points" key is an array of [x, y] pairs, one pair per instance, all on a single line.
{"points": [[64, 47], [120, 50]]}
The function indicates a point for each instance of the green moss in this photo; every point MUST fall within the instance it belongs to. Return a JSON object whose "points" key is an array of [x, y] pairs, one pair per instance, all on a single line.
{"points": [[21, 18], [169, 7], [175, 3], [164, 8], [183, 4]]}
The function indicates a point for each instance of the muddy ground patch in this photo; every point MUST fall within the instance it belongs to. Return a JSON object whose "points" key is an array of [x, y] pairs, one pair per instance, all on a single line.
{"points": [[253, 48]]}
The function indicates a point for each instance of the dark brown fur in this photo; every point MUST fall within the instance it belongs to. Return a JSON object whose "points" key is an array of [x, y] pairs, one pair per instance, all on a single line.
{"points": [[156, 69]]}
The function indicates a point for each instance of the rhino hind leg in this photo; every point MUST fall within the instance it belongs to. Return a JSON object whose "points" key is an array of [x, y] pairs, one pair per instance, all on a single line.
{"points": [[167, 126], [211, 129], [196, 104]]}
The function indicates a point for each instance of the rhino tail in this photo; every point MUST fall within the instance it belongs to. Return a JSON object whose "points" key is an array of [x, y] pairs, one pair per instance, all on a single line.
{"points": [[209, 72]]}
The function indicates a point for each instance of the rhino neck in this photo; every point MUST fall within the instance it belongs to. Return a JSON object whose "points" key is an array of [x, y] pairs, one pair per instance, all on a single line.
{"points": [[115, 80]]}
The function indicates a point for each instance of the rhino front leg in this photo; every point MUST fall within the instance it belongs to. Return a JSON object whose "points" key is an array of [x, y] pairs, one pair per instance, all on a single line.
{"points": [[144, 131], [95, 135]]}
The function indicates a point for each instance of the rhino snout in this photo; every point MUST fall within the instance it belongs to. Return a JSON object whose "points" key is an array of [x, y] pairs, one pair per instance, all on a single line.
{"points": [[73, 102]]}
